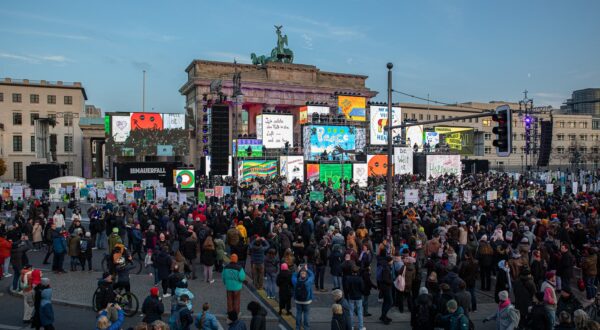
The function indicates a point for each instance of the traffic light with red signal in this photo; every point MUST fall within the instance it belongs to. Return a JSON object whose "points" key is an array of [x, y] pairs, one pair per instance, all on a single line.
{"points": [[503, 131]]}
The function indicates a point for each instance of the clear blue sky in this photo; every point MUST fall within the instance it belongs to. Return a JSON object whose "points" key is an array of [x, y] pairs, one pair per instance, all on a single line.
{"points": [[456, 51]]}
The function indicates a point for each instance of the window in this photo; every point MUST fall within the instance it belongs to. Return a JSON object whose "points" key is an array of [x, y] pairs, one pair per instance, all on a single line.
{"points": [[17, 143], [571, 150], [68, 143], [428, 117], [470, 120], [595, 150], [420, 116], [33, 117], [571, 137], [595, 125], [413, 116], [522, 137], [487, 150], [51, 99], [583, 124], [583, 137], [17, 118], [18, 171], [34, 98], [69, 167], [443, 116], [1, 97], [560, 137], [32, 142], [571, 124], [487, 136], [476, 120], [486, 123], [560, 150], [435, 117], [405, 116], [68, 119], [514, 136], [583, 150], [68, 100], [561, 124], [16, 97]]}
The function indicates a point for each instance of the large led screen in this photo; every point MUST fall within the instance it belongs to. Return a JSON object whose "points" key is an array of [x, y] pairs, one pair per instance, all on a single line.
{"points": [[252, 169], [248, 147], [379, 121], [377, 164], [334, 172], [459, 139], [292, 167], [324, 138], [146, 134], [414, 135], [352, 107]]}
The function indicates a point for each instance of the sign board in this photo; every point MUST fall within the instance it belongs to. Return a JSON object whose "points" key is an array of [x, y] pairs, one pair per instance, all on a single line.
{"points": [[312, 172], [185, 178], [379, 121], [360, 174], [317, 196], [249, 170], [275, 130], [161, 193], [403, 160], [414, 135], [492, 195], [352, 107], [219, 191], [438, 165], [549, 188], [377, 165], [172, 196], [334, 173], [291, 167], [468, 196], [307, 112], [209, 192], [287, 201], [439, 197], [257, 199], [411, 196]]}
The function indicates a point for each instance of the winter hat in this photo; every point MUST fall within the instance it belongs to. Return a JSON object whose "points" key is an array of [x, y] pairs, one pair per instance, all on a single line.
{"points": [[233, 258], [525, 240], [337, 294], [483, 238], [423, 290], [154, 291], [45, 281], [88, 234], [503, 295], [115, 230], [452, 305], [284, 266], [550, 275]]}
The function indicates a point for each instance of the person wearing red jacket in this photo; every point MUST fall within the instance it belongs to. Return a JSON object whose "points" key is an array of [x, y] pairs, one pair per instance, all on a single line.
{"points": [[5, 247]]}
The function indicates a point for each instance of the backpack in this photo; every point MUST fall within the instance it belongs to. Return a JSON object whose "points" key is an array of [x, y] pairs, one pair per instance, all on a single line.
{"points": [[175, 318], [300, 291], [83, 245]]}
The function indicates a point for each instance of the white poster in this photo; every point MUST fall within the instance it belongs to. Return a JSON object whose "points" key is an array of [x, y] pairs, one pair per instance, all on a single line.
{"points": [[411, 196], [109, 186], [379, 121], [575, 187], [101, 193], [292, 167], [438, 165], [432, 138], [120, 127], [161, 194], [414, 134], [27, 193], [182, 198], [440, 197], [360, 174], [173, 120], [16, 192], [492, 195], [467, 196], [120, 196], [403, 160], [549, 188], [172, 197], [276, 130], [39, 193]]}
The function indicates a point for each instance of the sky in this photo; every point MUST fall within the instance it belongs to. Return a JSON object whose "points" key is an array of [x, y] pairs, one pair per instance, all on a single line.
{"points": [[453, 51]]}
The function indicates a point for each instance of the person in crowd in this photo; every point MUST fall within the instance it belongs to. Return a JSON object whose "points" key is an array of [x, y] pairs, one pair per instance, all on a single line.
{"points": [[233, 276], [59, 247], [567, 302], [206, 320], [85, 248], [162, 263], [303, 281], [259, 314], [152, 307], [455, 318], [537, 317], [423, 313], [565, 322], [103, 322], [234, 322], [506, 316], [257, 250], [284, 283], [589, 270], [208, 258], [46, 310], [18, 258], [74, 249], [385, 289], [337, 319], [271, 270], [181, 316]]}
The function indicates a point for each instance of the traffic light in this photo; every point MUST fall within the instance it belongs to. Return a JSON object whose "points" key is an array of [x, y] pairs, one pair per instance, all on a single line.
{"points": [[503, 131]]}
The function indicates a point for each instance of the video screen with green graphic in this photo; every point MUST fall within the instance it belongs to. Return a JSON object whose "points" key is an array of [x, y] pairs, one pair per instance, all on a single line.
{"points": [[459, 139], [252, 169], [334, 172], [185, 178]]}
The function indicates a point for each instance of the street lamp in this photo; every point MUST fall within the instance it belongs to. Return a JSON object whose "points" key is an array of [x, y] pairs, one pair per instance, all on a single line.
{"points": [[388, 199]]}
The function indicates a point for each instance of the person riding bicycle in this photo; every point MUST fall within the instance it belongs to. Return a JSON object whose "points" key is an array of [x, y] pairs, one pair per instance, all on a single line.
{"points": [[122, 263], [105, 293]]}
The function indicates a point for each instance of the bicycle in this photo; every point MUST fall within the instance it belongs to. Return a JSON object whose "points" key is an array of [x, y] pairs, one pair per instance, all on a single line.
{"points": [[127, 300], [139, 265]]}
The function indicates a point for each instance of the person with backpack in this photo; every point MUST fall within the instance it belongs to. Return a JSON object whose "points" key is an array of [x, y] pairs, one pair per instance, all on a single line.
{"points": [[422, 314], [353, 289], [233, 276], [507, 317], [259, 314], [284, 283], [74, 249], [303, 281], [181, 316], [85, 247], [456, 318]]}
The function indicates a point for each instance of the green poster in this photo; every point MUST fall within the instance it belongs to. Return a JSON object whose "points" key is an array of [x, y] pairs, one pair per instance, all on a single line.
{"points": [[83, 192], [149, 194], [201, 196], [350, 198], [317, 196], [333, 172]]}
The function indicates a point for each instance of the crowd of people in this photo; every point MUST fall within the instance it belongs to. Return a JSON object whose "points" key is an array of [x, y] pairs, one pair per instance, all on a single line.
{"points": [[532, 252]]}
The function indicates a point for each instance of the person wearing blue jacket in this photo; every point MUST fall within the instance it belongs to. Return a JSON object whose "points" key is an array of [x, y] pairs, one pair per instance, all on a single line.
{"points": [[46, 310], [303, 281], [59, 245], [258, 247], [206, 320], [103, 323]]}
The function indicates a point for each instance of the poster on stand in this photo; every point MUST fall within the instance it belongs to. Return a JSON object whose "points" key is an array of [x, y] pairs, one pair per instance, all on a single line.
{"points": [[411, 196], [360, 174], [403, 160]]}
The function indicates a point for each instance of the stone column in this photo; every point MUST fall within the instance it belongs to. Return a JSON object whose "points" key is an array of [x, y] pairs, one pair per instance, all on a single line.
{"points": [[99, 158], [87, 157], [253, 111]]}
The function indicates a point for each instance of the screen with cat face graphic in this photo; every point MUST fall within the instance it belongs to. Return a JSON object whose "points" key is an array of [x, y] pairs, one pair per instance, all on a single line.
{"points": [[146, 134]]}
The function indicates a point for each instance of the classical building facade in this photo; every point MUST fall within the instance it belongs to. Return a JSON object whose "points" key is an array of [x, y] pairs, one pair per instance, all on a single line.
{"points": [[23, 101]]}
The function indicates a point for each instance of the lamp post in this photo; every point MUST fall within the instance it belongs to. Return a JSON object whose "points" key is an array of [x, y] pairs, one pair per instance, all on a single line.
{"points": [[389, 195]]}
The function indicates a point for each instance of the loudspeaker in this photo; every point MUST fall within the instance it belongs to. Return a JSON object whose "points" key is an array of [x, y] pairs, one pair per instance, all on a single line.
{"points": [[219, 141], [545, 143]]}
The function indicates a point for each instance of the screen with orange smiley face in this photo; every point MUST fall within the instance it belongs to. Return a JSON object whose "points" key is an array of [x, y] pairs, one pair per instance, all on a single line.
{"points": [[146, 120]]}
